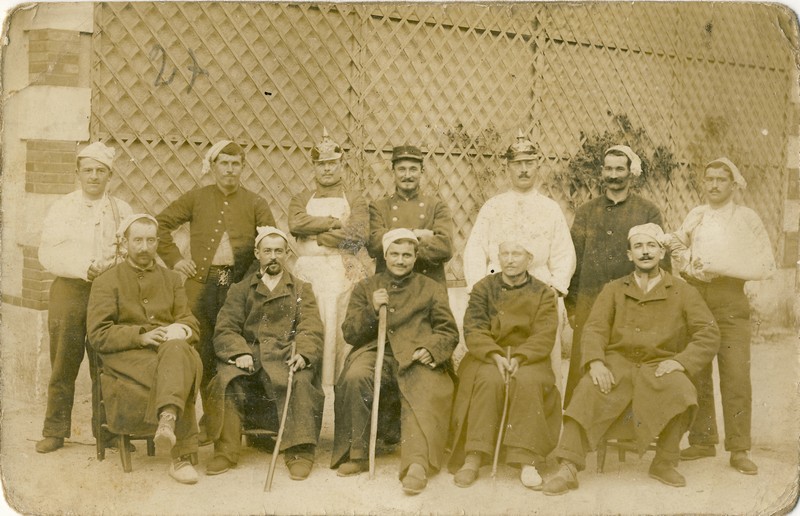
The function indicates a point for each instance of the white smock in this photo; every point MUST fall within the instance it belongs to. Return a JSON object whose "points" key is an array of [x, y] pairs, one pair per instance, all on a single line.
{"points": [[324, 268]]}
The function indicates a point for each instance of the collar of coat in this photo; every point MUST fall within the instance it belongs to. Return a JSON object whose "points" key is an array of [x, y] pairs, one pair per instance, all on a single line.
{"points": [[632, 289], [284, 287], [400, 282], [411, 197]]}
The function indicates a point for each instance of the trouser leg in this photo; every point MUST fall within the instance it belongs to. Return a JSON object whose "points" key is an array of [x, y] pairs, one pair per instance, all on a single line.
{"points": [[704, 428], [485, 410], [229, 442], [414, 449], [176, 384], [205, 300], [304, 417], [573, 444], [67, 329], [669, 440], [574, 373], [733, 362]]}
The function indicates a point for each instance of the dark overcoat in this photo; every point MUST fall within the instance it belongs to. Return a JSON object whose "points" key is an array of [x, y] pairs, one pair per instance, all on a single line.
{"points": [[633, 332], [418, 316], [264, 323]]}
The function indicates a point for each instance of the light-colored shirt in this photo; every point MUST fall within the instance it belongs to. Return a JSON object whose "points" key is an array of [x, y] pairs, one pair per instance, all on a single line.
{"points": [[78, 232], [728, 241], [271, 281], [530, 219], [224, 252]]}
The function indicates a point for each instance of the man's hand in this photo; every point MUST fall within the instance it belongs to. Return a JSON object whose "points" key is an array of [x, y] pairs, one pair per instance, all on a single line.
{"points": [[336, 223], [380, 297], [668, 366], [297, 362], [245, 363], [424, 357], [95, 270], [175, 331], [153, 337], [422, 233], [601, 376], [186, 267], [504, 365], [697, 265]]}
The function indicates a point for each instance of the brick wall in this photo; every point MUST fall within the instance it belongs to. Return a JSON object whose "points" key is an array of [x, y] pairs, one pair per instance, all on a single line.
{"points": [[35, 282], [54, 57], [50, 166]]}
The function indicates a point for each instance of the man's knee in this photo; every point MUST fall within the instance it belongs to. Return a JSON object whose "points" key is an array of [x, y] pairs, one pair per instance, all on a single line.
{"points": [[488, 378]]}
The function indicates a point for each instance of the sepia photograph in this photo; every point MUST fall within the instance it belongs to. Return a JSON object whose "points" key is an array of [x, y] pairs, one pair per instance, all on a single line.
{"points": [[400, 258]]}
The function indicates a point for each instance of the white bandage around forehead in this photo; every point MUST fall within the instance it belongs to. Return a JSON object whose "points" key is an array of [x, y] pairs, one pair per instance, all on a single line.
{"points": [[651, 230], [636, 161], [738, 178], [397, 234]]}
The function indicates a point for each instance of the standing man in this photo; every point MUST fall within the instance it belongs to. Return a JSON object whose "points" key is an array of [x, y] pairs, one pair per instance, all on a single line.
{"points": [[528, 217], [646, 334], [263, 316], [416, 382], [140, 322], [719, 247], [331, 226], [78, 244], [223, 219], [598, 233], [426, 216], [510, 327]]}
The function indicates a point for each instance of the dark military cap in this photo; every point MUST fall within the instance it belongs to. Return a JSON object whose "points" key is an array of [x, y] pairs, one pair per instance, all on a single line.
{"points": [[406, 152]]}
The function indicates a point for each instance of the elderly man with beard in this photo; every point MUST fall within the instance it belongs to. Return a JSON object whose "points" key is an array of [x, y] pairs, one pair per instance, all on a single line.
{"points": [[140, 323], [599, 232], [719, 247], [267, 316], [509, 327], [647, 333], [222, 221], [424, 215], [78, 244], [416, 383]]}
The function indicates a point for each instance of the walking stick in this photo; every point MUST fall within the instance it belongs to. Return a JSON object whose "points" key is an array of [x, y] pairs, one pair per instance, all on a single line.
{"points": [[506, 379], [373, 427], [277, 449]]}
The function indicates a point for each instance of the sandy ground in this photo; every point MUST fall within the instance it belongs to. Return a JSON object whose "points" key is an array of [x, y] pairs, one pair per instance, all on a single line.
{"points": [[72, 481]]}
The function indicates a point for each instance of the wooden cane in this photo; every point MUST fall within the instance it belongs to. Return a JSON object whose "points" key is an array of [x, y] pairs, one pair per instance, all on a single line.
{"points": [[276, 451], [500, 431], [376, 396]]}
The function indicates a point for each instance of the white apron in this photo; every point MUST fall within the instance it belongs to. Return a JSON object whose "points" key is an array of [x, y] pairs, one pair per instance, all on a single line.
{"points": [[324, 268]]}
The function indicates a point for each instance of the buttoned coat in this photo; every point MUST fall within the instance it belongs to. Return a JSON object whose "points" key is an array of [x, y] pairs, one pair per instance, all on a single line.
{"points": [[264, 323], [633, 332], [124, 303], [416, 212], [524, 319], [211, 213], [418, 316]]}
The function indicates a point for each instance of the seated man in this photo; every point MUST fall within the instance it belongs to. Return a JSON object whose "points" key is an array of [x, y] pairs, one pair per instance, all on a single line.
{"points": [[140, 323], [263, 316], [422, 335], [646, 333], [512, 313]]}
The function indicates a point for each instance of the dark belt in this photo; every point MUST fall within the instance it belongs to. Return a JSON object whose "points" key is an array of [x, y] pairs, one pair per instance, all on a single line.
{"points": [[724, 282], [222, 275]]}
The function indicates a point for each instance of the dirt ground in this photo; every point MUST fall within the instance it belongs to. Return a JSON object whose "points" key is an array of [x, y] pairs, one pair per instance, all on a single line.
{"points": [[72, 481]]}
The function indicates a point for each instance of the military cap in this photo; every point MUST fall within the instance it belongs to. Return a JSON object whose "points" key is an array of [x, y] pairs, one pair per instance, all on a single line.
{"points": [[406, 152]]}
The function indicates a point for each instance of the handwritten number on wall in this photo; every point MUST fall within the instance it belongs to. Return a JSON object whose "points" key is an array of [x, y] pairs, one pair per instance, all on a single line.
{"points": [[159, 55]]}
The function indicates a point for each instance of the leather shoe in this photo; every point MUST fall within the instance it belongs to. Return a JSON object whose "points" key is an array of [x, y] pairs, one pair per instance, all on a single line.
{"points": [[299, 467], [49, 444], [218, 465], [466, 476], [415, 480], [698, 451], [566, 478], [742, 463], [181, 469], [665, 472], [351, 468]]}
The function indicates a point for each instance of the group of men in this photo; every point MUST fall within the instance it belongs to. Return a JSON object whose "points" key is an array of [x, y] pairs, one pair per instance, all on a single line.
{"points": [[242, 325]]}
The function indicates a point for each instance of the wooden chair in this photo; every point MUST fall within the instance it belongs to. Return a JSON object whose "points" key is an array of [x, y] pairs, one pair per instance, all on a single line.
{"points": [[620, 435], [127, 425]]}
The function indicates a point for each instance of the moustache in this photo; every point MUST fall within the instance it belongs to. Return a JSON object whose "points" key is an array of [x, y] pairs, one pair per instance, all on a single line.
{"points": [[524, 175]]}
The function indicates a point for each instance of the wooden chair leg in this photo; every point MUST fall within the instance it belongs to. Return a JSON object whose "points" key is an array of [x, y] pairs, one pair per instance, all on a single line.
{"points": [[621, 453], [151, 447], [124, 453], [601, 455]]}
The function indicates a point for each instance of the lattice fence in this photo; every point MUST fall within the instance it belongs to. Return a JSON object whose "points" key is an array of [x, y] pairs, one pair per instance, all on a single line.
{"points": [[458, 80]]}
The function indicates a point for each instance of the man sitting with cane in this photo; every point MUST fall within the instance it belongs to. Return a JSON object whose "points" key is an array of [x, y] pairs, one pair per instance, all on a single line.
{"points": [[421, 336], [509, 327], [262, 316]]}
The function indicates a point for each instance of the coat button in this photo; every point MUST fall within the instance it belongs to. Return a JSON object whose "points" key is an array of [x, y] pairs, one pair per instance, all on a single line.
{"points": [[141, 276], [422, 215], [391, 331], [145, 301], [609, 232], [219, 222], [608, 209], [394, 207], [216, 231], [422, 205], [638, 365], [638, 329], [391, 310], [225, 203], [394, 219]]}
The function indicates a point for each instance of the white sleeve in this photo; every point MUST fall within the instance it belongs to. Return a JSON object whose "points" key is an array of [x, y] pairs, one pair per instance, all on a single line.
{"points": [[476, 251], [59, 254], [562, 254]]}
